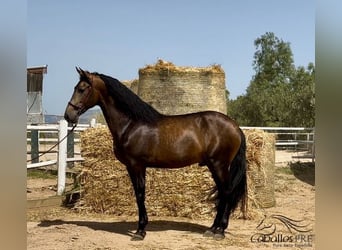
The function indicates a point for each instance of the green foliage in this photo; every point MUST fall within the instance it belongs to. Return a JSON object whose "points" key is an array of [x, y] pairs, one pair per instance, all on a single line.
{"points": [[303, 98], [273, 60], [279, 94], [41, 174]]}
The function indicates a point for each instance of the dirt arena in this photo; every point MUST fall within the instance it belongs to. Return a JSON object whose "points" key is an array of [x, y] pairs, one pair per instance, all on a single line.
{"points": [[57, 227]]}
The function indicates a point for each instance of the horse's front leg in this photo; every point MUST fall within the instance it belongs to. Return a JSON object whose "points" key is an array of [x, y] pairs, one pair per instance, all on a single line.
{"points": [[137, 174]]}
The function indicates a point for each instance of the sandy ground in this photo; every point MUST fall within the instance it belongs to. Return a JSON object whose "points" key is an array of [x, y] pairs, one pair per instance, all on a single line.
{"points": [[62, 228]]}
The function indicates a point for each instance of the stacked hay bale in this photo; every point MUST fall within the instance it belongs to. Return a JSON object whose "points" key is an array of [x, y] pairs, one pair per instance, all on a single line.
{"points": [[106, 187], [261, 161], [132, 85], [176, 90]]}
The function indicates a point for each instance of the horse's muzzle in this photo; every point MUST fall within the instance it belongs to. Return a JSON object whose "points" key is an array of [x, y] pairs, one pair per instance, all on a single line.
{"points": [[71, 115]]}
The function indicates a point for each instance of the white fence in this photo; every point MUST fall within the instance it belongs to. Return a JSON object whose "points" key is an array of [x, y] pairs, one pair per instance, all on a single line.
{"points": [[299, 142], [291, 137], [61, 159], [286, 138]]}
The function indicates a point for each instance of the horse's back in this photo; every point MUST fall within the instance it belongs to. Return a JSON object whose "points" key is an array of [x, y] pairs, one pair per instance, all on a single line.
{"points": [[210, 132], [210, 123]]}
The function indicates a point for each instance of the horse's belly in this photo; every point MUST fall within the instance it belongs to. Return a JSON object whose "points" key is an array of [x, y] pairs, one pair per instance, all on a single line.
{"points": [[175, 157], [172, 163]]}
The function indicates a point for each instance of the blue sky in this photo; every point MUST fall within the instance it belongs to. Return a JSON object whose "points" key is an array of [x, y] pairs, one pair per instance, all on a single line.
{"points": [[119, 37]]}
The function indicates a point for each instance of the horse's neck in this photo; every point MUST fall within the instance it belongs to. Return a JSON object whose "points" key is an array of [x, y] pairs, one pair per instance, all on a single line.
{"points": [[117, 122]]}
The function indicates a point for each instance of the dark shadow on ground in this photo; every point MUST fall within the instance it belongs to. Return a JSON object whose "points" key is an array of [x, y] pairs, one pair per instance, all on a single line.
{"points": [[304, 171], [128, 228]]}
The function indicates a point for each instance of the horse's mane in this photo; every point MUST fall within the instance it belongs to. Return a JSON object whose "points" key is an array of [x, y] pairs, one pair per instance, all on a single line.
{"points": [[128, 102]]}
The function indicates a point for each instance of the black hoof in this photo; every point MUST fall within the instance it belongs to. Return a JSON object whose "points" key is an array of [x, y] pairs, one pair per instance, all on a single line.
{"points": [[139, 235]]}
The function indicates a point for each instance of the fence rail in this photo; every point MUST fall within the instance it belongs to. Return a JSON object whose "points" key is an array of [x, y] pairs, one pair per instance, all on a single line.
{"points": [[61, 131], [296, 138], [286, 138]]}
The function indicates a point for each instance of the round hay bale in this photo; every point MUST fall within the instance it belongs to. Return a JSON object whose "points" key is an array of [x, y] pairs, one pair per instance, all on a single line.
{"points": [[132, 85], [176, 90], [261, 162], [184, 192]]}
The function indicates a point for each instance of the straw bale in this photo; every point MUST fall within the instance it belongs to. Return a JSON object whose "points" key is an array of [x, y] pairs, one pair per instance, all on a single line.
{"points": [[184, 192], [174, 90], [162, 65], [261, 160], [132, 84]]}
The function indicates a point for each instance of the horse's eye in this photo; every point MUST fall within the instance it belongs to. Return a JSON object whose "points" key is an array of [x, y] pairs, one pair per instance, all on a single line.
{"points": [[80, 91]]}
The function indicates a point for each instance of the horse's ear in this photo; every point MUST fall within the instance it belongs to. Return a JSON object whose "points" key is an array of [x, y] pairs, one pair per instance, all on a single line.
{"points": [[80, 71], [84, 75]]}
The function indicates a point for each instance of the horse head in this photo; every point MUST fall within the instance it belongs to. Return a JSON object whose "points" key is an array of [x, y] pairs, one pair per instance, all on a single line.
{"points": [[83, 98]]}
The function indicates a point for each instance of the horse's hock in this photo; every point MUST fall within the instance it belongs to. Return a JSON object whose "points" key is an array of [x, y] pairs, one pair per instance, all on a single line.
{"points": [[174, 192], [174, 90]]}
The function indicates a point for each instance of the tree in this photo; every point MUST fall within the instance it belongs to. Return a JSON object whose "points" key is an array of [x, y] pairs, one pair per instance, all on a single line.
{"points": [[303, 97], [278, 94], [268, 90], [273, 60]]}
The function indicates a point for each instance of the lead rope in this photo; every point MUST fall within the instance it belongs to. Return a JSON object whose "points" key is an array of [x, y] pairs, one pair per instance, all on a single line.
{"points": [[50, 149]]}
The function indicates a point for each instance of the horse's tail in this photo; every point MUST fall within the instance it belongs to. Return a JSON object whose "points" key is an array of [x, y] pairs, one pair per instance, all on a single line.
{"points": [[238, 171]]}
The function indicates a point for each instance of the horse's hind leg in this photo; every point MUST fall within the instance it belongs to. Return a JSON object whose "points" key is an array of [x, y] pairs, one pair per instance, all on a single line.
{"points": [[220, 175]]}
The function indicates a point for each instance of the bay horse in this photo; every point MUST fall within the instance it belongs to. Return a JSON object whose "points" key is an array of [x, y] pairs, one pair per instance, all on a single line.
{"points": [[143, 137]]}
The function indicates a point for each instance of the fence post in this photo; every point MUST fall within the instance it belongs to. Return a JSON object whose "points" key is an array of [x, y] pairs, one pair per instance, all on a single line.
{"points": [[62, 156], [34, 145], [313, 146], [93, 123], [70, 148]]}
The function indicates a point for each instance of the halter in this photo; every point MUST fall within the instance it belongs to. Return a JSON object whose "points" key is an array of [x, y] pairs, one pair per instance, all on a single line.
{"points": [[80, 108]]}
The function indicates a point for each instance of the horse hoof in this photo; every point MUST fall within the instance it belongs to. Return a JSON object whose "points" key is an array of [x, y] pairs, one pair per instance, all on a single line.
{"points": [[208, 233], [138, 236], [219, 236]]}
